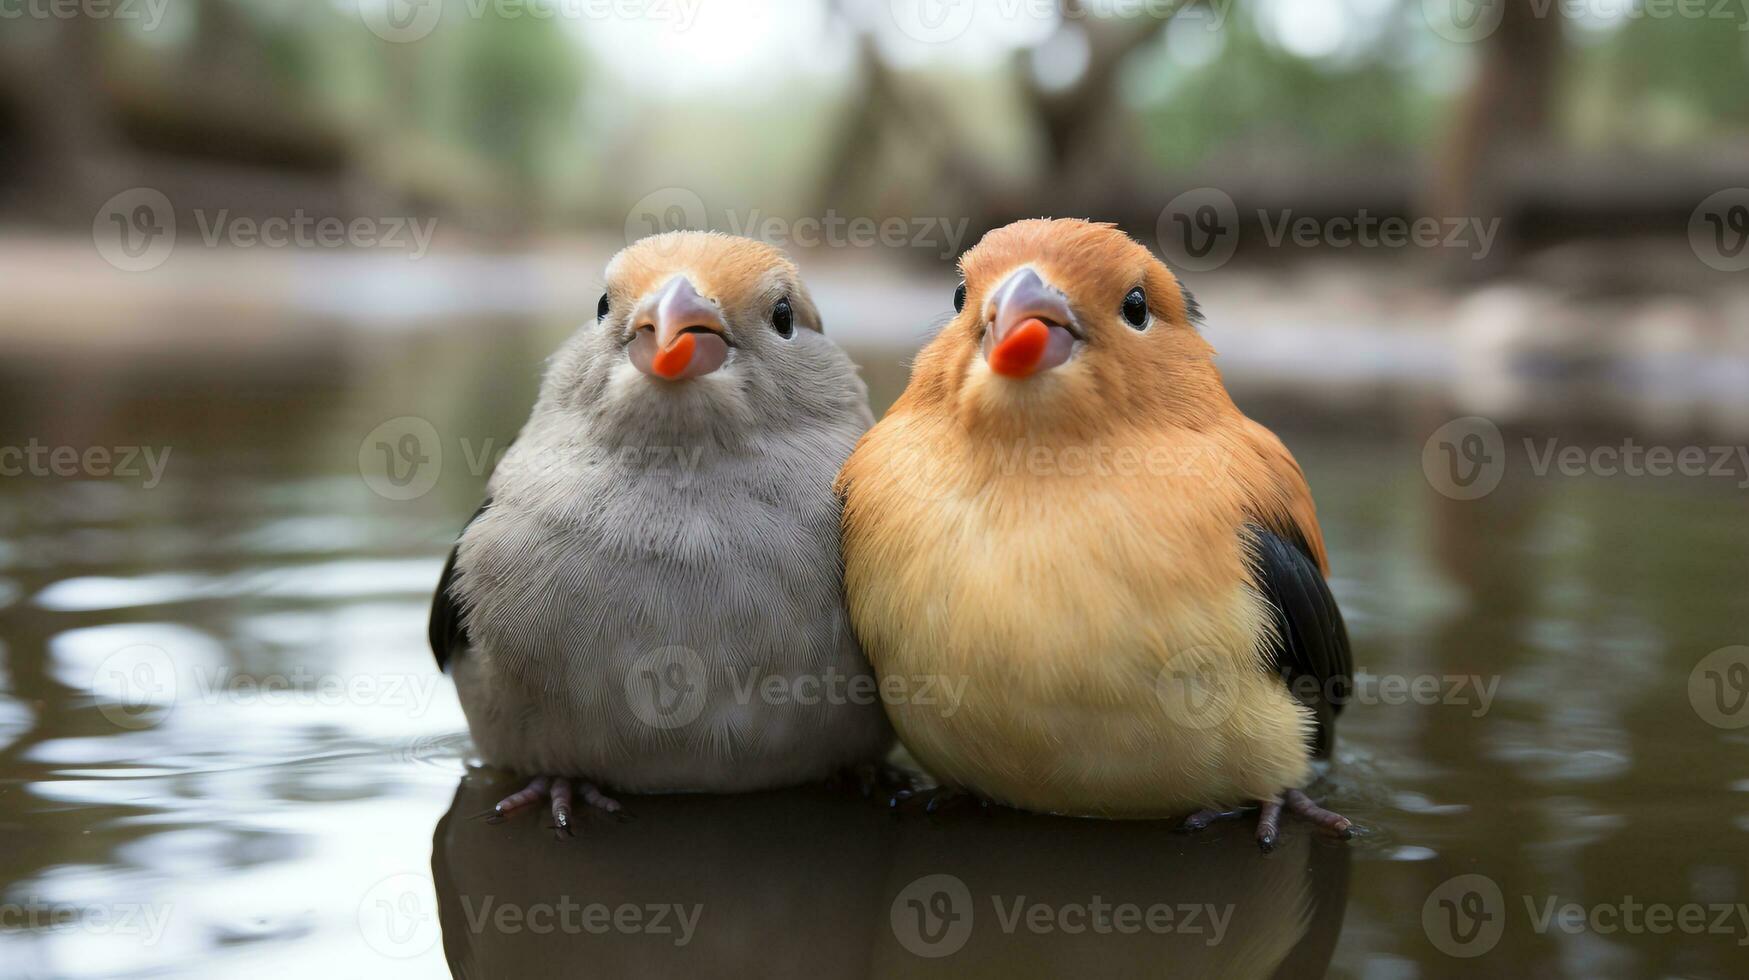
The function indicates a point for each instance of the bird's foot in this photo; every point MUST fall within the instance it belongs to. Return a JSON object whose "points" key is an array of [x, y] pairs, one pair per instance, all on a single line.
{"points": [[1201, 819], [1296, 801], [870, 778], [1269, 818], [562, 792], [937, 799]]}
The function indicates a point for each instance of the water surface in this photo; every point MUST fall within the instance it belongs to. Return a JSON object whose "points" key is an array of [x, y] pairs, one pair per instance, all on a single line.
{"points": [[225, 750]]}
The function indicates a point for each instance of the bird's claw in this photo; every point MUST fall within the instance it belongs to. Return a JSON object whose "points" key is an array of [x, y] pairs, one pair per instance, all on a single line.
{"points": [[870, 778], [1269, 819], [933, 800], [562, 794]]}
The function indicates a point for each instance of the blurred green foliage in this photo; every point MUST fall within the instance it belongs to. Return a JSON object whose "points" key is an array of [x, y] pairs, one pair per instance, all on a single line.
{"points": [[507, 113]]}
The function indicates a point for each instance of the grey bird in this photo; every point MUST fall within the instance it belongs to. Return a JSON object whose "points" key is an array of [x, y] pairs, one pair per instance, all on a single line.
{"points": [[650, 600]]}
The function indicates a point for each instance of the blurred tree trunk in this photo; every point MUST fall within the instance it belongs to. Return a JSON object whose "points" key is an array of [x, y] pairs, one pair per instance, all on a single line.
{"points": [[1076, 120], [66, 147], [890, 127], [893, 125], [1499, 129]]}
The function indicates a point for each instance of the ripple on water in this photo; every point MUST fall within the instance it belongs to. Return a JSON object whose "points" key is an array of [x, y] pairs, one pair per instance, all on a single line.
{"points": [[339, 580]]}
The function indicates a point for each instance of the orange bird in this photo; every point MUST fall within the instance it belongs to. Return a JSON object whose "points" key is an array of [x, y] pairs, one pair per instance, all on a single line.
{"points": [[1066, 520]]}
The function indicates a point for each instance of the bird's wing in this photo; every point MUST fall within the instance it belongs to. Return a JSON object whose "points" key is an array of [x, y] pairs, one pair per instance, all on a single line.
{"points": [[448, 635], [1312, 654]]}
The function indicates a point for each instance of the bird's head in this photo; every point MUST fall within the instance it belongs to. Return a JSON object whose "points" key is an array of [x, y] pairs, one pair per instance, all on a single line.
{"points": [[1069, 327], [701, 333]]}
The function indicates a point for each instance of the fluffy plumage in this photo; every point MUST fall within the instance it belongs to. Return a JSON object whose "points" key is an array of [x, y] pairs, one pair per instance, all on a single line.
{"points": [[1119, 566], [636, 514]]}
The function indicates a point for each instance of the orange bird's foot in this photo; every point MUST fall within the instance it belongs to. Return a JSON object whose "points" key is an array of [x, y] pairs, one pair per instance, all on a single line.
{"points": [[1269, 818]]}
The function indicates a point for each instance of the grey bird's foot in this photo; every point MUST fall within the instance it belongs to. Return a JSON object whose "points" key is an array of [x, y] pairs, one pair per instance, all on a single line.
{"points": [[562, 793], [938, 799], [870, 778]]}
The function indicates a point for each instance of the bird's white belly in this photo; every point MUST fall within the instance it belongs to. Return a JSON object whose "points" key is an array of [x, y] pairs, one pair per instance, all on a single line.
{"points": [[655, 673], [666, 720]]}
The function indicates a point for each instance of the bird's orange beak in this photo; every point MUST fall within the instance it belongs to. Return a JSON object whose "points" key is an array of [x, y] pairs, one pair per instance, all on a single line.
{"points": [[679, 334], [1030, 327]]}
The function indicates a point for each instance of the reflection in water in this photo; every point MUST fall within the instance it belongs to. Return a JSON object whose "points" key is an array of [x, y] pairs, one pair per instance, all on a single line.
{"points": [[821, 883]]}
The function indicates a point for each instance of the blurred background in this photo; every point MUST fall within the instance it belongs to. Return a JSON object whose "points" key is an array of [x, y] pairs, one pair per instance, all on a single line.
{"points": [[277, 279]]}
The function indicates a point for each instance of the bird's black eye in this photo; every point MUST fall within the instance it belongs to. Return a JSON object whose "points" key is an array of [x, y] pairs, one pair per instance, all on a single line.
{"points": [[783, 319], [601, 308], [959, 298], [1135, 308]]}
